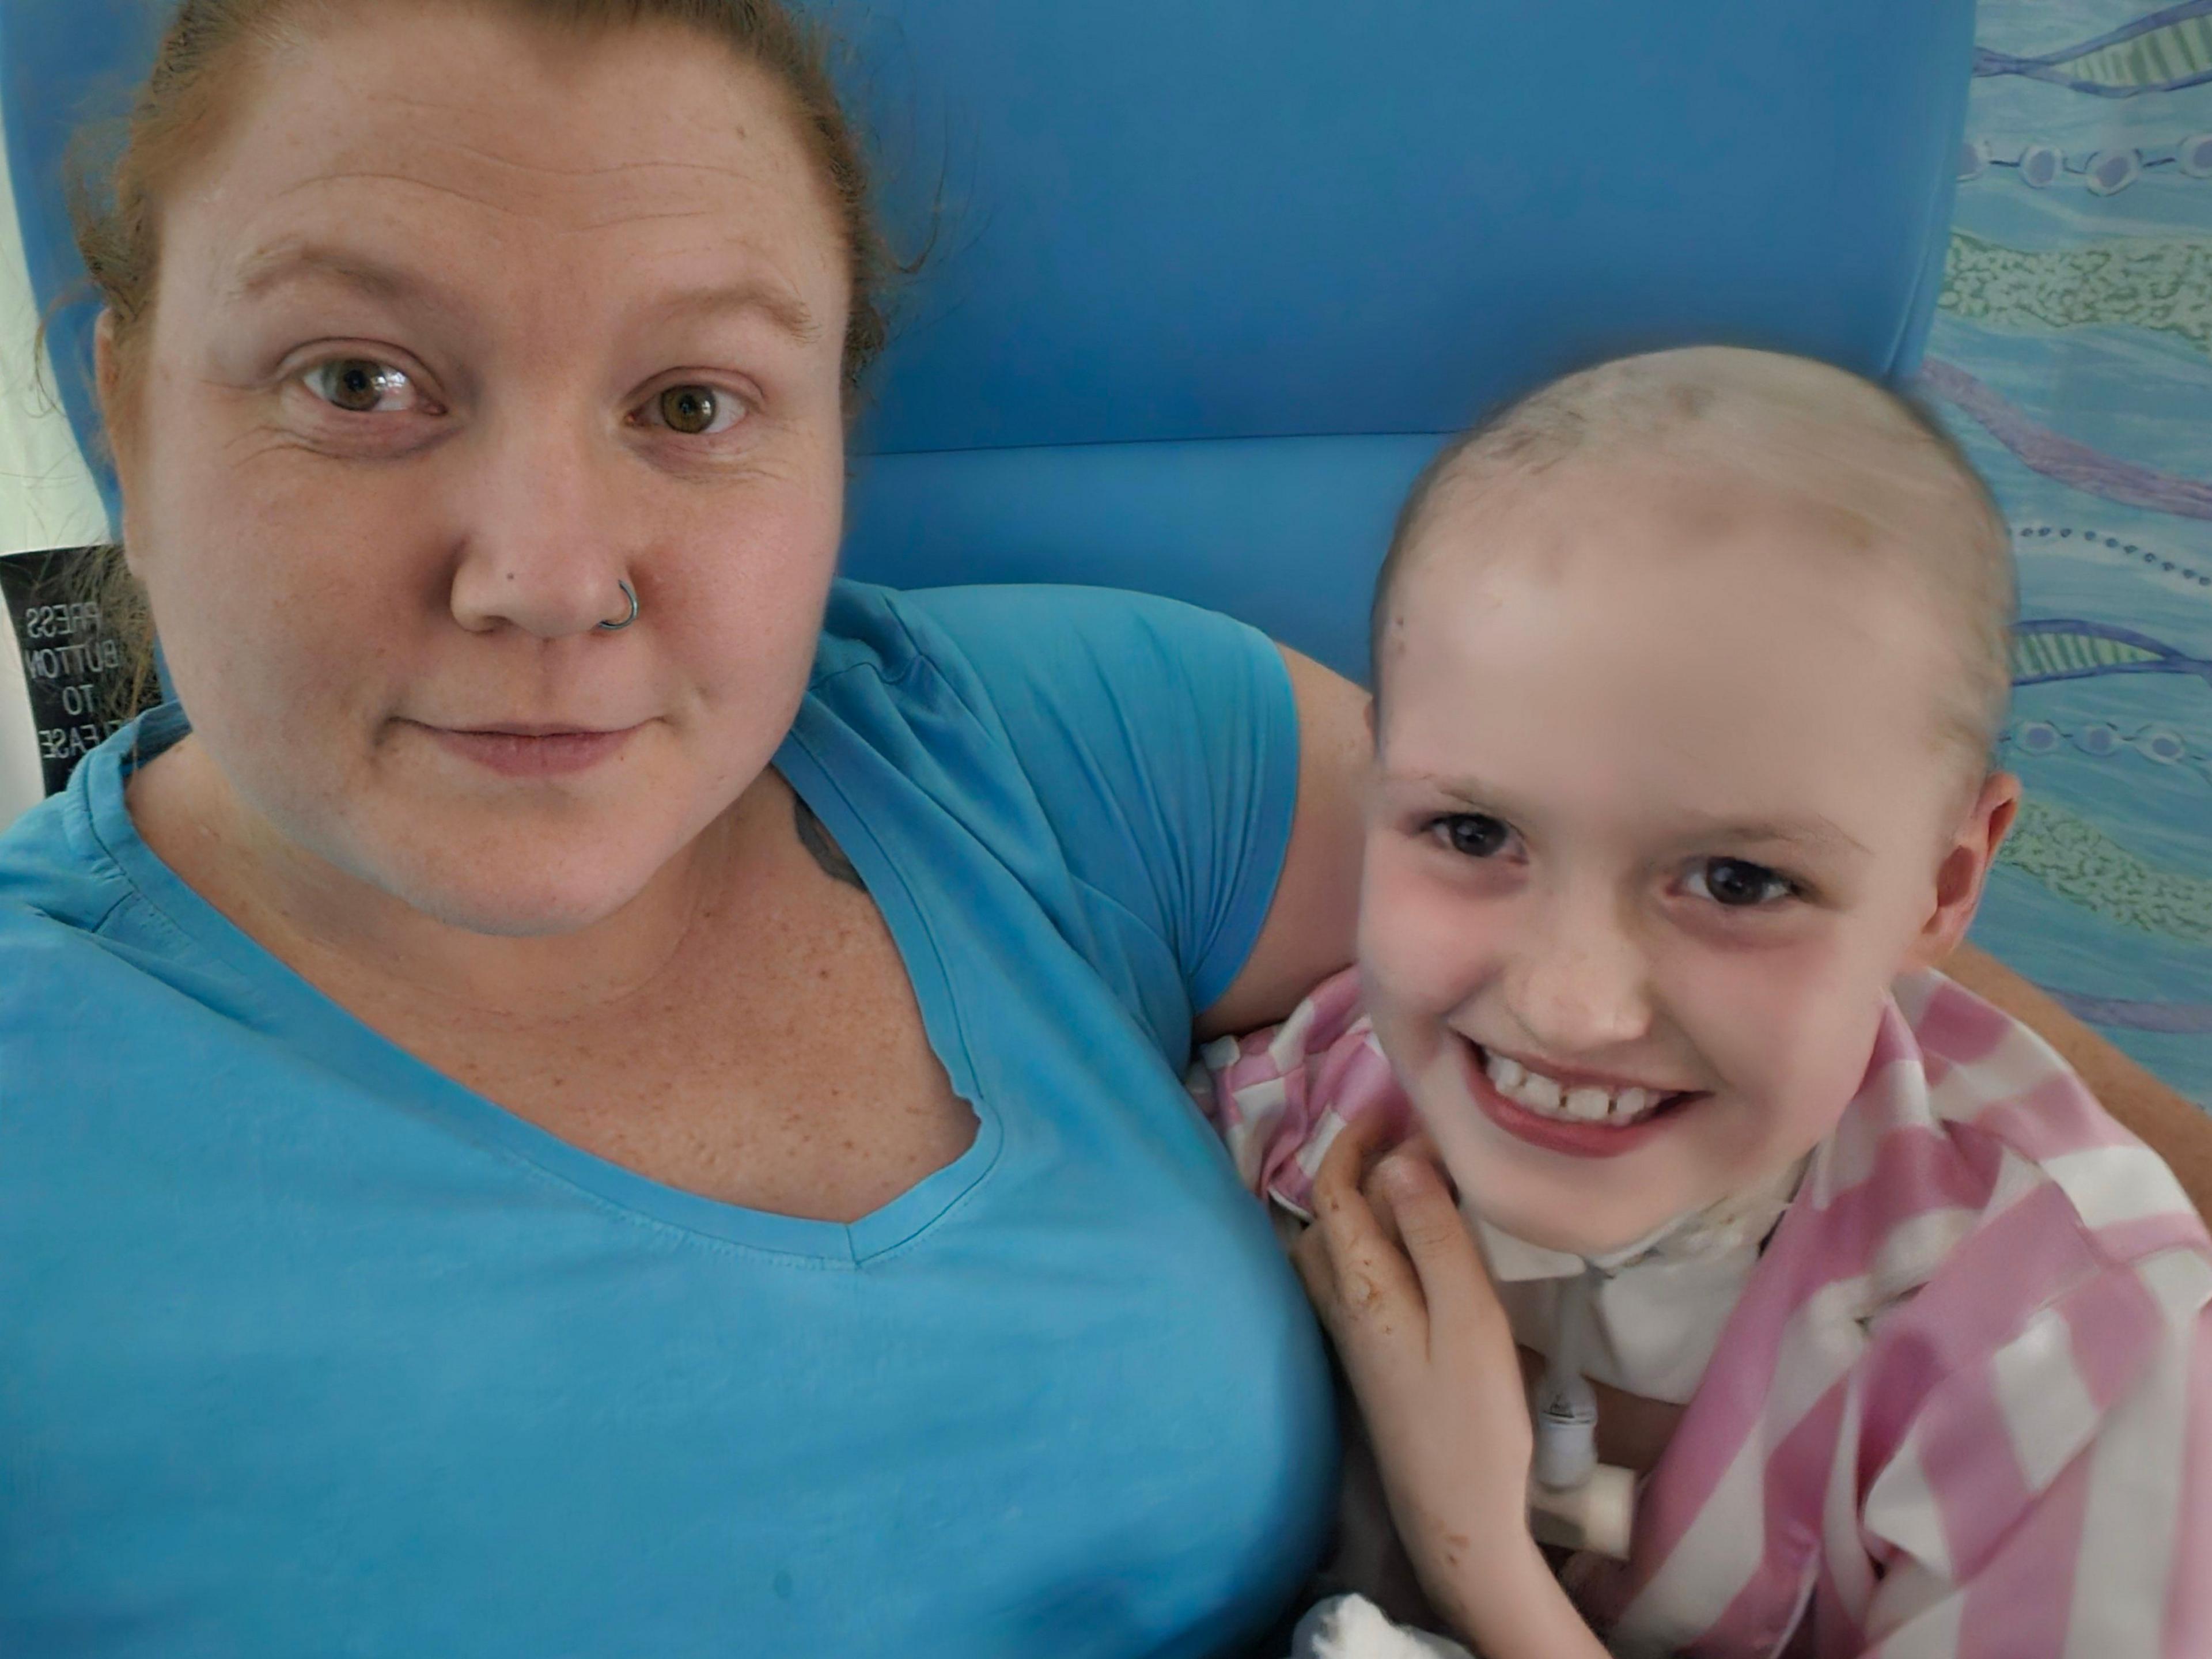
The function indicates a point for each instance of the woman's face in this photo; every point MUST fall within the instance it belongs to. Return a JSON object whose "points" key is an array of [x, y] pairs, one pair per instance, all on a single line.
{"points": [[462, 323]]}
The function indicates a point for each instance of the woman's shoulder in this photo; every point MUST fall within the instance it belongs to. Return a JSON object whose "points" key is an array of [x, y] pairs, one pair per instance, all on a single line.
{"points": [[989, 638], [86, 1012], [1125, 754], [55, 875], [80, 940], [1093, 682]]}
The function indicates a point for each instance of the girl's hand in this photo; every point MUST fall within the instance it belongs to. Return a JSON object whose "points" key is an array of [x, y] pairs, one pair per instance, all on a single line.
{"points": [[1395, 1276]]}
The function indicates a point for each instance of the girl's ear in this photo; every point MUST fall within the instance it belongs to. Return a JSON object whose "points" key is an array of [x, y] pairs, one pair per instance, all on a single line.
{"points": [[1966, 869]]}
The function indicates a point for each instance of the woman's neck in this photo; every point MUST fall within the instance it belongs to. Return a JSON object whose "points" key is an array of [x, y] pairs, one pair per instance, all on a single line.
{"points": [[355, 940]]}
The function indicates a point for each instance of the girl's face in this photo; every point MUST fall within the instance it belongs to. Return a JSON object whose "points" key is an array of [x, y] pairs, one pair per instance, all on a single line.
{"points": [[1661, 815], [462, 323]]}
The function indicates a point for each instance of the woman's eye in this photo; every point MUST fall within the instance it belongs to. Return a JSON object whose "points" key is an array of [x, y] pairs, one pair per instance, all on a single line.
{"points": [[362, 385], [696, 411], [1738, 884], [1475, 834]]}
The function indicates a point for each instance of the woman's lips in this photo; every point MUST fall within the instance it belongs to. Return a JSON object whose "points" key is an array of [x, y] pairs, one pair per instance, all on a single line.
{"points": [[1554, 1135], [516, 753]]}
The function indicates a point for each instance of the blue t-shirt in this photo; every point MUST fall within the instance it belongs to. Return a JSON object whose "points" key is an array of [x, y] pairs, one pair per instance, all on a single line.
{"points": [[304, 1349]]}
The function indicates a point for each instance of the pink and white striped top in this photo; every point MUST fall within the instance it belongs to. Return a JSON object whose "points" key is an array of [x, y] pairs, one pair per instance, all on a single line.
{"points": [[1964, 1405]]}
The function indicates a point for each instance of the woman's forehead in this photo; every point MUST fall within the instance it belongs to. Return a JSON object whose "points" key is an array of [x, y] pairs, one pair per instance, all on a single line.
{"points": [[477, 132]]}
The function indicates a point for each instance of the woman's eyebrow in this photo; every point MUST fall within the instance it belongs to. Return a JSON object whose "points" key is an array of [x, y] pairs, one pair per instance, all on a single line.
{"points": [[379, 279], [276, 267], [759, 294]]}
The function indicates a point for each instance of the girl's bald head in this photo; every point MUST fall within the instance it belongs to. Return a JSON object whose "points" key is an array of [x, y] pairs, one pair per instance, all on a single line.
{"points": [[1894, 486]]}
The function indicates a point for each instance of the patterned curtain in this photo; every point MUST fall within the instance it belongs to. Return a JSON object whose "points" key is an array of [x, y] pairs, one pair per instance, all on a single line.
{"points": [[2072, 355]]}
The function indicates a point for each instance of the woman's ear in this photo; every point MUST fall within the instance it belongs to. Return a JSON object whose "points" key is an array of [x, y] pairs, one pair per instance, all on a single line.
{"points": [[1965, 869], [106, 368], [115, 424]]}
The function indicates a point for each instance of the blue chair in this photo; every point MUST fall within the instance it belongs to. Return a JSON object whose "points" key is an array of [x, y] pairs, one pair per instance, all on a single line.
{"points": [[1212, 276]]}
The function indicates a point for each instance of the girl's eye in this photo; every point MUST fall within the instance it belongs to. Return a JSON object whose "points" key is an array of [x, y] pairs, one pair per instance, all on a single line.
{"points": [[362, 385], [695, 411], [1738, 884], [1475, 834]]}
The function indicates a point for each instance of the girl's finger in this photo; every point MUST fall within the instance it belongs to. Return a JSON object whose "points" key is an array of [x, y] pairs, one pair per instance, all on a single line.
{"points": [[1337, 1183], [1376, 1192], [1421, 1149], [1436, 1236], [1348, 1156], [1419, 1146], [1369, 1271]]}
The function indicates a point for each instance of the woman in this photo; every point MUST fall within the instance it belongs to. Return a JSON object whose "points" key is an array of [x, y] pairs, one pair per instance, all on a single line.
{"points": [[610, 1094]]}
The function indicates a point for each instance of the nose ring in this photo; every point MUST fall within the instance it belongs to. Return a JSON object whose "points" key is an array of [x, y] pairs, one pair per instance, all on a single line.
{"points": [[629, 594]]}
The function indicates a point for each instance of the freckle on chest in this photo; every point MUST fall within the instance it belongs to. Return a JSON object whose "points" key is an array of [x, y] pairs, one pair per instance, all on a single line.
{"points": [[794, 1075]]}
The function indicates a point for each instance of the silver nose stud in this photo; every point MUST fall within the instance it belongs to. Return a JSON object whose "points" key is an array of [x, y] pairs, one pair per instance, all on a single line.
{"points": [[629, 617]]}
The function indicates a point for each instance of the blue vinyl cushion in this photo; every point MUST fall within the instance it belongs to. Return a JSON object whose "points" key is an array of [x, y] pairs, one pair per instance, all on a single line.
{"points": [[1210, 275]]}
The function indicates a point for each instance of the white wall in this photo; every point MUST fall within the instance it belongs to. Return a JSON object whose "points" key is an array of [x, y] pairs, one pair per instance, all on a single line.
{"points": [[47, 498]]}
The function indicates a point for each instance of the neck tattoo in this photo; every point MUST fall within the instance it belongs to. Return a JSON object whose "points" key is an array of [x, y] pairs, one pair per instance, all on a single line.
{"points": [[825, 851]]}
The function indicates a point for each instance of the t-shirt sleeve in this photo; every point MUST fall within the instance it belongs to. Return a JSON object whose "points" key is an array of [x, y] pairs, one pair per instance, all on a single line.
{"points": [[1160, 741]]}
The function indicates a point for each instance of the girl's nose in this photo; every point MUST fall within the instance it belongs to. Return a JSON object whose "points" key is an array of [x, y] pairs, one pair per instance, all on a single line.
{"points": [[1580, 984]]}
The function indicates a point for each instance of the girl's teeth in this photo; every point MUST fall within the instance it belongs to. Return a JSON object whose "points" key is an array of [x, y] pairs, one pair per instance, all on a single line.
{"points": [[1548, 1097]]}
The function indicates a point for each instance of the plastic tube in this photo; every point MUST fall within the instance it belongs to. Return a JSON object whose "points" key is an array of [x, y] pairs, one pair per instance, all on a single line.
{"points": [[1575, 1501]]}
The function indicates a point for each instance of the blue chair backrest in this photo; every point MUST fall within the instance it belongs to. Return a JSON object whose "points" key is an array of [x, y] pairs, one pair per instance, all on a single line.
{"points": [[1211, 277]]}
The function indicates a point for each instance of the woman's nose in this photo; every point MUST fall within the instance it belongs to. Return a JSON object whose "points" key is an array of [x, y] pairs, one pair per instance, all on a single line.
{"points": [[545, 544], [1582, 984]]}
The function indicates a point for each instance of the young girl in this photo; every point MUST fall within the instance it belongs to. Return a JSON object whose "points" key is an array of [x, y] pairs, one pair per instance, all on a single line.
{"points": [[1688, 671]]}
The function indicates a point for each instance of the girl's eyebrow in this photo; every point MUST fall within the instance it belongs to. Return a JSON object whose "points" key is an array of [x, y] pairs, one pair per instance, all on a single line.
{"points": [[1813, 832], [1472, 792]]}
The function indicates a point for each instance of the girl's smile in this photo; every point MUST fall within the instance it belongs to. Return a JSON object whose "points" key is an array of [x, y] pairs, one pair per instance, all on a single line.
{"points": [[1661, 814]]}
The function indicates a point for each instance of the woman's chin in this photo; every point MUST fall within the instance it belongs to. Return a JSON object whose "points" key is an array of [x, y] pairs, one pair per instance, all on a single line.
{"points": [[506, 915], [509, 908], [491, 887]]}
